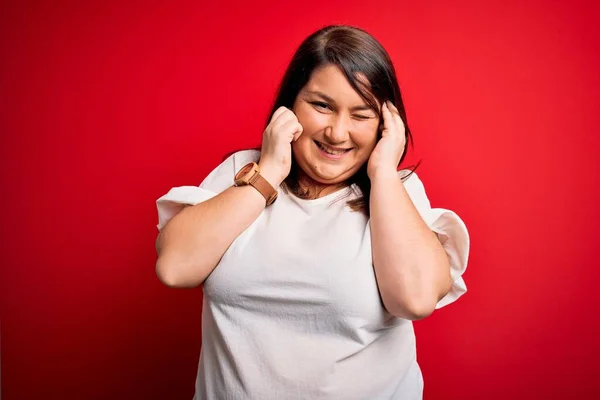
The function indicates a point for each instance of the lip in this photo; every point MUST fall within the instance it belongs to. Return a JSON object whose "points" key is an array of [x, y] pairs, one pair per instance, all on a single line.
{"points": [[332, 156]]}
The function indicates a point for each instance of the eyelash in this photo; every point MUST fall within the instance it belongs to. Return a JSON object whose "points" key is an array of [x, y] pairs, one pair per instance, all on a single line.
{"points": [[320, 104]]}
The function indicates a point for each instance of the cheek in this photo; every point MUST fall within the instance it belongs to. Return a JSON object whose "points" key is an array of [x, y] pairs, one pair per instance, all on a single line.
{"points": [[302, 146], [366, 138], [312, 121]]}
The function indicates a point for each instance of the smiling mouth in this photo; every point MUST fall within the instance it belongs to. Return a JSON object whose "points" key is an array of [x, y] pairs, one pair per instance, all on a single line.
{"points": [[331, 150]]}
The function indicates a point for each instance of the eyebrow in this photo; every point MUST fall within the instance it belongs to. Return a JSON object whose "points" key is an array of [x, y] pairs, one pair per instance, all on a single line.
{"points": [[363, 107]]}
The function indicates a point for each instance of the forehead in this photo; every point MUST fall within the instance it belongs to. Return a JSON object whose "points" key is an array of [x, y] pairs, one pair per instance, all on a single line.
{"points": [[331, 81]]}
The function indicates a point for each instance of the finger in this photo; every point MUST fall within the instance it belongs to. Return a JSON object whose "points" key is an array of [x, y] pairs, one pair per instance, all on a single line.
{"points": [[290, 129], [283, 119], [285, 116], [299, 130], [387, 116], [278, 112], [396, 115], [392, 107]]}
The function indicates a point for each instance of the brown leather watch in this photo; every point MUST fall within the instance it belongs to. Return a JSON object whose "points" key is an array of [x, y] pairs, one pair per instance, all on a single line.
{"points": [[250, 175]]}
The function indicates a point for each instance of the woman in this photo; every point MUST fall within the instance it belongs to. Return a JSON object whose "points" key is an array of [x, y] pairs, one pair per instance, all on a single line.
{"points": [[315, 254]]}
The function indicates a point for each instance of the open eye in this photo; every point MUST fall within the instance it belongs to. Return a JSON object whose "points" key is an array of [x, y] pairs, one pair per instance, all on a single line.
{"points": [[320, 105]]}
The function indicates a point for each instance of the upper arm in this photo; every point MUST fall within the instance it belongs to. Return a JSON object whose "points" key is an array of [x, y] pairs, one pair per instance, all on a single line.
{"points": [[451, 231], [219, 179]]}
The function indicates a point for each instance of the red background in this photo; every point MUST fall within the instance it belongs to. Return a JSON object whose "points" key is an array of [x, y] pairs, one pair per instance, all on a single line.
{"points": [[105, 106]]}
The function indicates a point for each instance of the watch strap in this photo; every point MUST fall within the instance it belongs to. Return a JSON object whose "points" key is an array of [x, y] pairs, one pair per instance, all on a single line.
{"points": [[250, 175], [264, 187]]}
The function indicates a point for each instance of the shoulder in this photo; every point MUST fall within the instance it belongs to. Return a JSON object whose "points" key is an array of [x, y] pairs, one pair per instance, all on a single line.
{"points": [[415, 189], [243, 157], [234, 161], [221, 177], [411, 180]]}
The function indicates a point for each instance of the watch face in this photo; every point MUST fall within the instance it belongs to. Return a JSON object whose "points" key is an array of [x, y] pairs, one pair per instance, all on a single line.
{"points": [[243, 176], [245, 169]]}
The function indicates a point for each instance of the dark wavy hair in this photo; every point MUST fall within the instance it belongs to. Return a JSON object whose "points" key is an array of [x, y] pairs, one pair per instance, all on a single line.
{"points": [[355, 52]]}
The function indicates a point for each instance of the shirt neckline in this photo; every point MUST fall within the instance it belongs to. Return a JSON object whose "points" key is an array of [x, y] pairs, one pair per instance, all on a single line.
{"points": [[327, 198]]}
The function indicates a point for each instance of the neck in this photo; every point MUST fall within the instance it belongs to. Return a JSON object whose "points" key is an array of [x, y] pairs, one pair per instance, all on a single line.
{"points": [[316, 189]]}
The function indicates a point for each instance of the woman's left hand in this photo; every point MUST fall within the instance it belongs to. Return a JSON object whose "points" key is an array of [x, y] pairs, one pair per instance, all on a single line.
{"points": [[388, 151]]}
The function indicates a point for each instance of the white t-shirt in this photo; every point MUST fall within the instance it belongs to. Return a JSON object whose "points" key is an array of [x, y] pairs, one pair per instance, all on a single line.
{"points": [[292, 311]]}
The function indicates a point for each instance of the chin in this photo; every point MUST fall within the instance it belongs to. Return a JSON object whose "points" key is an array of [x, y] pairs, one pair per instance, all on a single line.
{"points": [[330, 178]]}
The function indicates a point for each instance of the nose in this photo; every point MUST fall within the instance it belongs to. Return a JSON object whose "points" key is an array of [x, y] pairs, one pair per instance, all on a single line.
{"points": [[338, 129]]}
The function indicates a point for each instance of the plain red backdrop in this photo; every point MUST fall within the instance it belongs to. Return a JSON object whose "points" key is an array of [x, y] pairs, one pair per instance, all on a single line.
{"points": [[105, 106]]}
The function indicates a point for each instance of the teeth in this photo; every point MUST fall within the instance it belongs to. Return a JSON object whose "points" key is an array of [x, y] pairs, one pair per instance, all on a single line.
{"points": [[330, 151]]}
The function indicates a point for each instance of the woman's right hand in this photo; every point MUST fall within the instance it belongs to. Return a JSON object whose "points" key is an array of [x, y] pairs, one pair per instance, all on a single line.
{"points": [[276, 152]]}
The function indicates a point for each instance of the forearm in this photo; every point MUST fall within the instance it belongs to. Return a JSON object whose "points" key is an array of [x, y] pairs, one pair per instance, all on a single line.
{"points": [[411, 266], [191, 245]]}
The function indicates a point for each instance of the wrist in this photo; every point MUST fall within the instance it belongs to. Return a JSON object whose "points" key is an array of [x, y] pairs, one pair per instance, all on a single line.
{"points": [[270, 174], [383, 174]]}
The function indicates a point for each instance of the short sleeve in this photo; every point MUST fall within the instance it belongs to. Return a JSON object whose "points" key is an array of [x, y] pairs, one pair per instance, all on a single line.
{"points": [[451, 232], [216, 182]]}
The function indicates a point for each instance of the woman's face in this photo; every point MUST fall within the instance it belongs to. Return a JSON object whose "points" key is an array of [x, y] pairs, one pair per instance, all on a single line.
{"points": [[340, 129]]}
